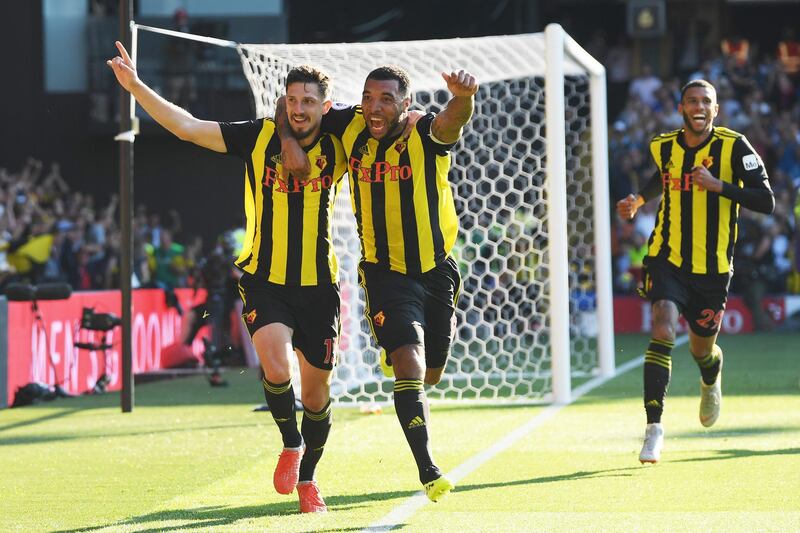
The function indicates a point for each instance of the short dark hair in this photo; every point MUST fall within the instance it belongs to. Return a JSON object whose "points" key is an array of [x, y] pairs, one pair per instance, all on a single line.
{"points": [[310, 74], [697, 83], [392, 72]]}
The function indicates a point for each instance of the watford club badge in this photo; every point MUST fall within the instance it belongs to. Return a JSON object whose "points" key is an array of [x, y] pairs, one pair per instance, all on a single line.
{"points": [[250, 317], [276, 159], [400, 146], [322, 161], [379, 318], [708, 161]]}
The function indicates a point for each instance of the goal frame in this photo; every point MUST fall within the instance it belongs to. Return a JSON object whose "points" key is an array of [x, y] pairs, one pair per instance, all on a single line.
{"points": [[558, 44]]}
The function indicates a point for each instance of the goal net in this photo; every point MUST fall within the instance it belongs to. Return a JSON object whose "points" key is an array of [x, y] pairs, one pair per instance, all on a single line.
{"points": [[508, 312], [502, 347]]}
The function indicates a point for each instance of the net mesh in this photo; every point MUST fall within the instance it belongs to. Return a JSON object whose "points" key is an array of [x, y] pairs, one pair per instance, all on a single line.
{"points": [[498, 176]]}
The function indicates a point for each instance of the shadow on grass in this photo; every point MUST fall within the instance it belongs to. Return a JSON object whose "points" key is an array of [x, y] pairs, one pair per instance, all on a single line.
{"points": [[581, 474], [735, 432], [40, 439], [215, 516], [37, 420], [738, 453]]}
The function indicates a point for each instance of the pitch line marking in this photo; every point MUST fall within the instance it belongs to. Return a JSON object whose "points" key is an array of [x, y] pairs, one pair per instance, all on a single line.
{"points": [[416, 502]]}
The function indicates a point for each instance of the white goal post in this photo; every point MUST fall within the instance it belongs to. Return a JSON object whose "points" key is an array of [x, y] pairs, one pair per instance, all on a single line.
{"points": [[530, 180]]}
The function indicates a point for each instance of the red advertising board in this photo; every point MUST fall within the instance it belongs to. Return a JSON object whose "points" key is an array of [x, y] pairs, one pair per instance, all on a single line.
{"points": [[632, 314], [45, 352]]}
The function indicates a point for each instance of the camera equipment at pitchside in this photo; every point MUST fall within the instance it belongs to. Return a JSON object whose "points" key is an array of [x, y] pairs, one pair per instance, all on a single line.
{"points": [[24, 292], [102, 322]]}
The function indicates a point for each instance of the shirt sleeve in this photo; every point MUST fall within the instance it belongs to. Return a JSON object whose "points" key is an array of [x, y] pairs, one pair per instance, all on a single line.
{"points": [[240, 137], [653, 187], [423, 127], [756, 194], [338, 117]]}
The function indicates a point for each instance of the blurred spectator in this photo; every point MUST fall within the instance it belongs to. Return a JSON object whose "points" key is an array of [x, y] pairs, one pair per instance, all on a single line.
{"points": [[736, 49], [754, 270], [789, 53], [645, 86], [168, 263], [618, 66]]}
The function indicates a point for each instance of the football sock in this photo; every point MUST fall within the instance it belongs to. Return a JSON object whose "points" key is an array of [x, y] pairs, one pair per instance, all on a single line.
{"points": [[280, 399], [709, 365], [314, 428], [410, 404], [657, 367]]}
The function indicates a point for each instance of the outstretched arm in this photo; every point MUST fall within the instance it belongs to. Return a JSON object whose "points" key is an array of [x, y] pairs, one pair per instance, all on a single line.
{"points": [[447, 125], [178, 121]]}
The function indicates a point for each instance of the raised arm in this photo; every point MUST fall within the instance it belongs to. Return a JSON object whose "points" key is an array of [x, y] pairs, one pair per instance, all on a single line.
{"points": [[447, 125], [178, 121]]}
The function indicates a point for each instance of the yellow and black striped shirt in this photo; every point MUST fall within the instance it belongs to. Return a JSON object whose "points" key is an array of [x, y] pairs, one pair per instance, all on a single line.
{"points": [[288, 235], [400, 194], [696, 229]]}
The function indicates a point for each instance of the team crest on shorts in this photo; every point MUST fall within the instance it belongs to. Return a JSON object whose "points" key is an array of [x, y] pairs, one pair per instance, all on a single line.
{"points": [[322, 161], [250, 317], [379, 318]]}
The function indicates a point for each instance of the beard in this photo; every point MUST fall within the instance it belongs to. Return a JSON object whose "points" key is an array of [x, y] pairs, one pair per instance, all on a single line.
{"points": [[689, 125], [302, 134]]}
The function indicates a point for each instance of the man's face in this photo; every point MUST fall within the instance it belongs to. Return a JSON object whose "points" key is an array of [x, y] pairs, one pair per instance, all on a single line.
{"points": [[383, 107], [305, 107], [699, 108]]}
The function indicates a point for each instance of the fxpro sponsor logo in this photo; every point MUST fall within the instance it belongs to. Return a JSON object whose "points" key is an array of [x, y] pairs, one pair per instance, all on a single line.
{"points": [[379, 172], [272, 180]]}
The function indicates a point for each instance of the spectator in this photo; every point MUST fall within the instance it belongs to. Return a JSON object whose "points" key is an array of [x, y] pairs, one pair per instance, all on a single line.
{"points": [[168, 263], [645, 86]]}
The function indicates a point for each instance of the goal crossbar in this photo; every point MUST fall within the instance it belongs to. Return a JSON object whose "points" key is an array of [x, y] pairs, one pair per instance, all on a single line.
{"points": [[552, 55]]}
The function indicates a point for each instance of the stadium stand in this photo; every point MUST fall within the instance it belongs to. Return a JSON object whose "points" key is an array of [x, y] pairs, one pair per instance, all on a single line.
{"points": [[760, 99]]}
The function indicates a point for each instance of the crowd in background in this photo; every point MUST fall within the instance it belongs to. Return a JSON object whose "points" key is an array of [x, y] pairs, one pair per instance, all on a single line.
{"points": [[51, 233], [760, 99]]}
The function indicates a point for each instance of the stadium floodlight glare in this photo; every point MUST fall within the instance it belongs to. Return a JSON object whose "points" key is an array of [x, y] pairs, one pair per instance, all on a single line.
{"points": [[530, 181]]}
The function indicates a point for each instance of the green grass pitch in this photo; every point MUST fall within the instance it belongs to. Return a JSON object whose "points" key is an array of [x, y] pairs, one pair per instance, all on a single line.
{"points": [[195, 458]]}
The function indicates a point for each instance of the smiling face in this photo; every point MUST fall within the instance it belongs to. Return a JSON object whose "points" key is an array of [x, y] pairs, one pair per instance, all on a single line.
{"points": [[698, 108], [305, 107], [383, 106]]}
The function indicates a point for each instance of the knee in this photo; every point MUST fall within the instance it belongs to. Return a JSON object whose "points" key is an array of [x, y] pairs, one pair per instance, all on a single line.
{"points": [[408, 362], [665, 317], [315, 400], [433, 375]]}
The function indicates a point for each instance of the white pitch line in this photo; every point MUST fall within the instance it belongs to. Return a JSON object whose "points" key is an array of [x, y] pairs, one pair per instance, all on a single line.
{"points": [[419, 500]]}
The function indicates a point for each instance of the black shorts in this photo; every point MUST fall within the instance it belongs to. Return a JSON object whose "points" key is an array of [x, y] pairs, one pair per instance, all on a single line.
{"points": [[311, 312], [413, 309], [700, 298]]}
